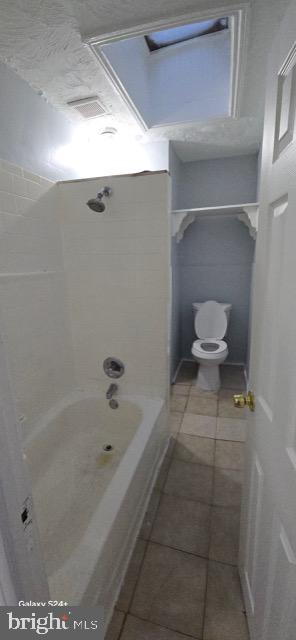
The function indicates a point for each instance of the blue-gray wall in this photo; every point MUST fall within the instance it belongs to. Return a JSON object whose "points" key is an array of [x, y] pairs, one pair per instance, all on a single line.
{"points": [[210, 183], [215, 263], [215, 257]]}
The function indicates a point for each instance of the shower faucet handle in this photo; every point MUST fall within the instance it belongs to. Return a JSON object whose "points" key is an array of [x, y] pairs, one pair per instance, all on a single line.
{"points": [[106, 191], [111, 391]]}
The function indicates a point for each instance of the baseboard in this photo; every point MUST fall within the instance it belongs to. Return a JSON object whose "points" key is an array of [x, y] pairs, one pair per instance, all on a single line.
{"points": [[175, 375], [225, 364], [234, 364]]}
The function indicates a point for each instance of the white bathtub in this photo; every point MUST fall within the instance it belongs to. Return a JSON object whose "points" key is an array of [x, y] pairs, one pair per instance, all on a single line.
{"points": [[89, 508]]}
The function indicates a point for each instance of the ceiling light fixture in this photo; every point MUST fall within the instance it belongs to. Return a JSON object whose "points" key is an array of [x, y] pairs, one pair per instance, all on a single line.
{"points": [[108, 132]]}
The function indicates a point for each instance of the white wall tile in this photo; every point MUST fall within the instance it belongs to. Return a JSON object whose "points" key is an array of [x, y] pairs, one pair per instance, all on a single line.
{"points": [[6, 181], [34, 321], [8, 202], [115, 299], [117, 268], [11, 168]]}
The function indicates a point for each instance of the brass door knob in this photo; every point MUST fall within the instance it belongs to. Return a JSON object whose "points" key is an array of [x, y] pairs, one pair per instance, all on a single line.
{"points": [[241, 401]]}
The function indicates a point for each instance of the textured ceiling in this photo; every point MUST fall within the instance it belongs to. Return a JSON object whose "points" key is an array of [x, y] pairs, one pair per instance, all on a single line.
{"points": [[110, 15], [42, 41]]}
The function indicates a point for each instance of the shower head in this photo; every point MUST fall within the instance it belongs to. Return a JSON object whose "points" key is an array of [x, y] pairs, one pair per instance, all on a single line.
{"points": [[96, 204]]}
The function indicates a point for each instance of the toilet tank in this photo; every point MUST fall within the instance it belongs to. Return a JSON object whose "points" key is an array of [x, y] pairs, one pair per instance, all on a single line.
{"points": [[225, 305]]}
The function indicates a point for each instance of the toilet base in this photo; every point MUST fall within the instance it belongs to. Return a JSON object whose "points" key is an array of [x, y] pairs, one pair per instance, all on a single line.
{"points": [[208, 377]]}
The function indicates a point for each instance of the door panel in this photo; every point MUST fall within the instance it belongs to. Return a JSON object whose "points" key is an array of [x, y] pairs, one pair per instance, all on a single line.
{"points": [[285, 104], [281, 588], [254, 518], [268, 537]]}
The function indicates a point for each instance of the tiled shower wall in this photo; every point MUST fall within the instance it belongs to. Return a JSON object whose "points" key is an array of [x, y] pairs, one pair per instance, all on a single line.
{"points": [[33, 318], [113, 299], [118, 279]]}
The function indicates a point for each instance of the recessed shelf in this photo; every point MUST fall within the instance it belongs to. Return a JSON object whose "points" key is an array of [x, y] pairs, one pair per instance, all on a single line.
{"points": [[246, 213]]}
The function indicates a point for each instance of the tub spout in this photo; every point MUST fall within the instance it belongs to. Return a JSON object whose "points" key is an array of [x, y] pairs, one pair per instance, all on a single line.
{"points": [[111, 391]]}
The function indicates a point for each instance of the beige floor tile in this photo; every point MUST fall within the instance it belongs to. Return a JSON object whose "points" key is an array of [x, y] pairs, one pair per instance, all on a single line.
{"points": [[180, 389], [178, 403], [187, 373], [175, 421], [223, 587], [136, 629], [232, 377], [131, 576], [182, 524], [229, 455], [150, 515], [231, 429], [192, 481], [197, 391], [194, 425], [202, 406], [163, 472], [226, 408], [225, 535], [221, 624], [171, 590], [115, 626], [227, 487], [194, 449]]}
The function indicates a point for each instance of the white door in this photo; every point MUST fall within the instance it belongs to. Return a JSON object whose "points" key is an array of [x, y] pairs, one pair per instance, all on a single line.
{"points": [[268, 532]]}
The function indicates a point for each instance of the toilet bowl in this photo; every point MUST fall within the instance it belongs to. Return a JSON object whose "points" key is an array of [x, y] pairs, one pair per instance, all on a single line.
{"points": [[209, 350]]}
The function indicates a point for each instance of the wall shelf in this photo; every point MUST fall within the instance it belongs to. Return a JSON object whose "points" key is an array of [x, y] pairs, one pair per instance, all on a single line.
{"points": [[246, 213]]}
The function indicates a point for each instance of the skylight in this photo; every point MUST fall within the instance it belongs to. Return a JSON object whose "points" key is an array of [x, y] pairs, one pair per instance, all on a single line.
{"points": [[160, 39]]}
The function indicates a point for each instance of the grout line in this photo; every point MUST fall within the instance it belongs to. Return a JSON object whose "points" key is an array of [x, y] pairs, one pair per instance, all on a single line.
{"points": [[211, 466], [187, 553], [155, 515], [215, 453], [175, 375], [200, 501], [190, 553], [205, 600], [186, 404], [138, 577], [122, 624], [147, 541], [161, 626]]}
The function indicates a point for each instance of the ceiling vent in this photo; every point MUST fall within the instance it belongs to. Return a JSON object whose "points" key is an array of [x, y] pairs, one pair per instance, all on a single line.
{"points": [[88, 107]]}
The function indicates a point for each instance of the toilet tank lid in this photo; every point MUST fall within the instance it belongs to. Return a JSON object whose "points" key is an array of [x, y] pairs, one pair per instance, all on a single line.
{"points": [[211, 321], [225, 305]]}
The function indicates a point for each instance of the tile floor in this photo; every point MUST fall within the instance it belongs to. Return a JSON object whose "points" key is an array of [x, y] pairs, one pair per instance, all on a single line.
{"points": [[182, 581]]}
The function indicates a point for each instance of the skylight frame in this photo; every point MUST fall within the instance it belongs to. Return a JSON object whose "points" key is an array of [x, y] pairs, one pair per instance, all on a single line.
{"points": [[239, 22], [155, 47]]}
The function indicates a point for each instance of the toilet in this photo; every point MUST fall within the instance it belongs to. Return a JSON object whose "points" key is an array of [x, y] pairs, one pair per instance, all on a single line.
{"points": [[210, 323]]}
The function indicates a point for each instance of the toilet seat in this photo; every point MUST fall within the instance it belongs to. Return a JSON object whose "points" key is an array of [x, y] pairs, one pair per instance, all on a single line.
{"points": [[201, 348]]}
